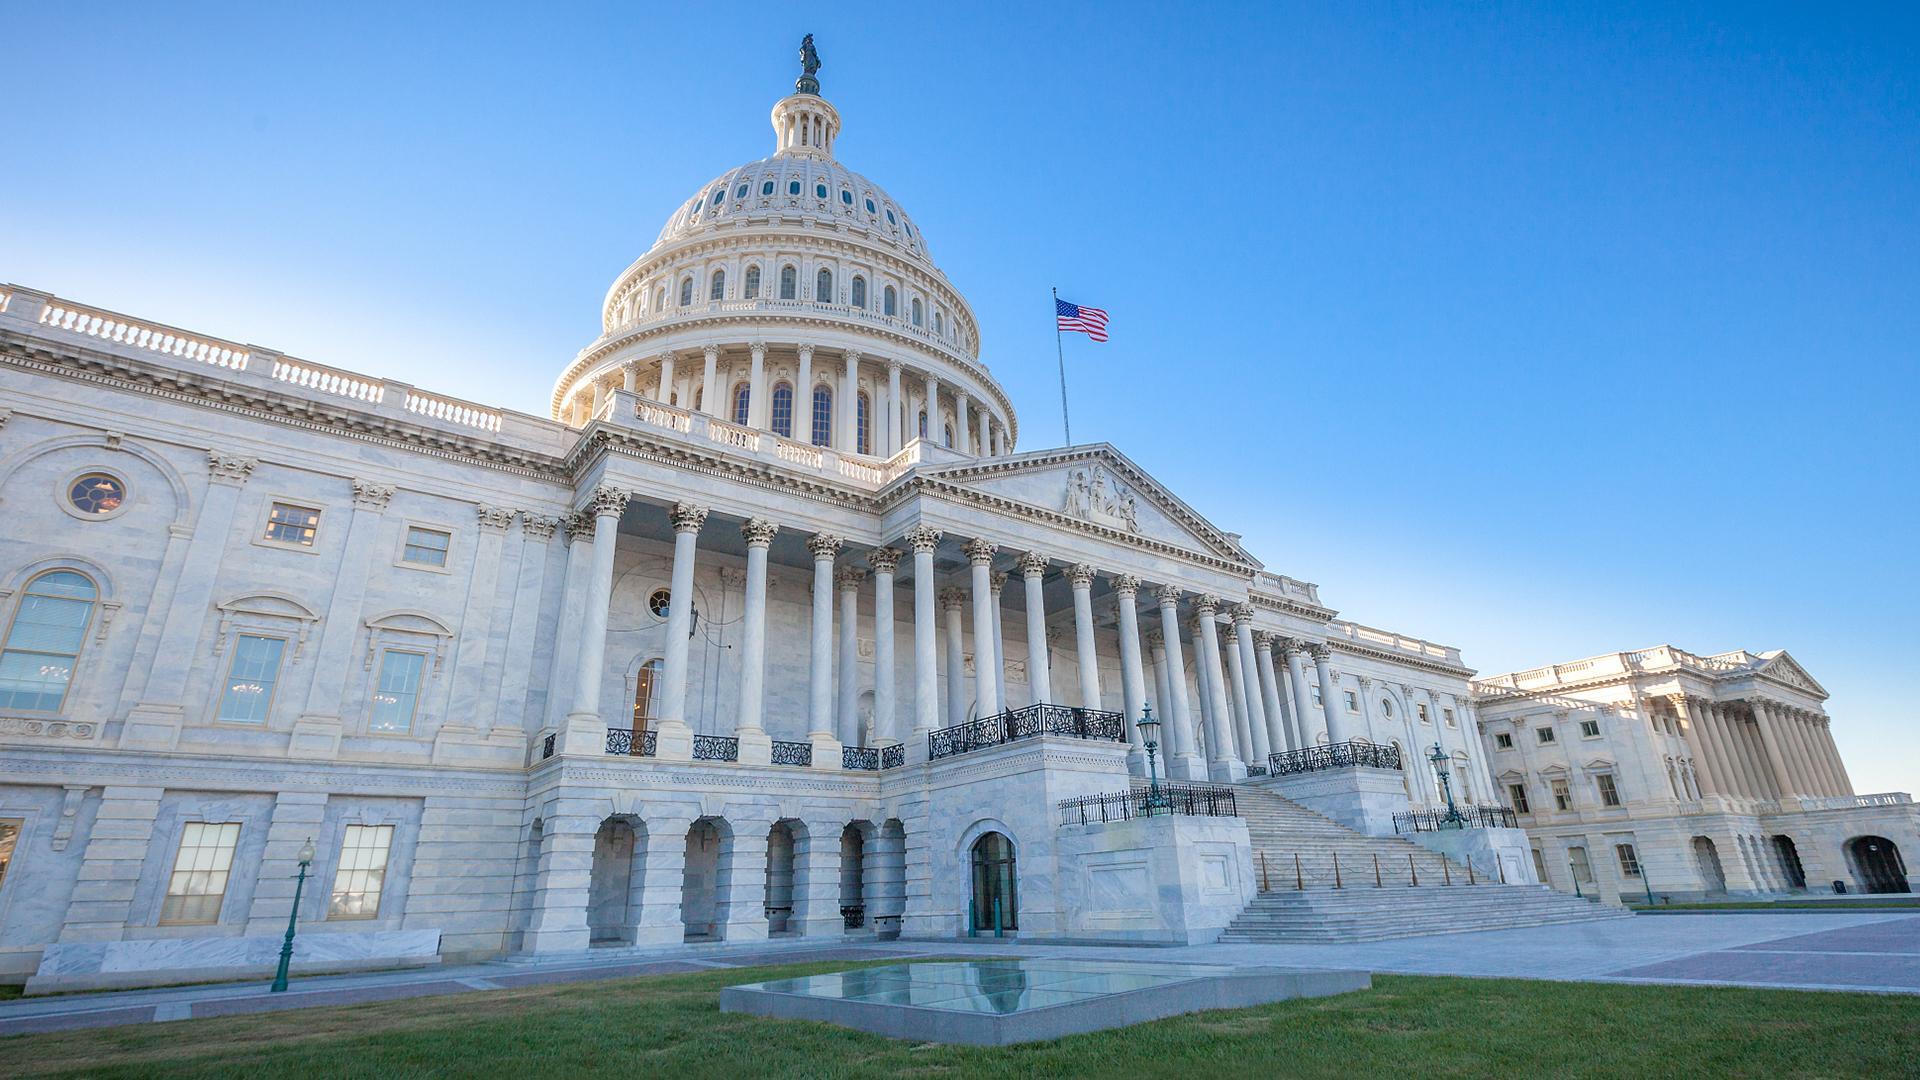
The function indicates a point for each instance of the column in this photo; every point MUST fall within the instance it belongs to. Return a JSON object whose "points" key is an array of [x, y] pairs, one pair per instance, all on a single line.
{"points": [[1033, 568], [710, 391], [317, 732], [803, 397], [1797, 765], [687, 521], [1783, 778], [665, 395], [997, 581], [1809, 731], [1183, 760], [986, 659], [849, 580], [757, 401], [1236, 688], [1295, 651], [1277, 741], [952, 603], [894, 441], [1833, 752], [1224, 763], [816, 881], [1133, 682], [962, 405], [1081, 578], [826, 748], [1203, 694], [586, 731], [926, 674], [1328, 703], [849, 416], [155, 722], [1817, 782], [629, 381], [529, 596], [740, 885], [573, 608], [1249, 685], [933, 409], [466, 708], [1706, 765], [1162, 694], [886, 724], [1732, 773], [756, 748]]}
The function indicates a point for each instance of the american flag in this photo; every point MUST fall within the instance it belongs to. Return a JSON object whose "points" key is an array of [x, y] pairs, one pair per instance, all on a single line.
{"points": [[1091, 321]]}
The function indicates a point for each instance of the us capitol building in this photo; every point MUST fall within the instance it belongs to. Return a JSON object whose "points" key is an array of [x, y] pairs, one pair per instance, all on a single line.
{"points": [[769, 627]]}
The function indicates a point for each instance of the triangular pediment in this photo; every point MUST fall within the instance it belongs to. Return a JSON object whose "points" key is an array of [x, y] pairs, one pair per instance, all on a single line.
{"points": [[1098, 488], [1785, 669]]}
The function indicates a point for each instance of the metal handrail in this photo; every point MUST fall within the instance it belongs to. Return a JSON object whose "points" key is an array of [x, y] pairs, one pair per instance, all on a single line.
{"points": [[1334, 756], [1150, 800], [620, 741], [1037, 719], [1463, 817]]}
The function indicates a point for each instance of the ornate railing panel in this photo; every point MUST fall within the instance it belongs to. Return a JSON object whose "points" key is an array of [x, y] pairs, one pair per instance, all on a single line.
{"points": [[854, 915], [546, 748], [1334, 756], [621, 741], [892, 757], [716, 748], [1026, 723], [1466, 817], [1256, 770], [860, 757], [792, 753], [1144, 800]]}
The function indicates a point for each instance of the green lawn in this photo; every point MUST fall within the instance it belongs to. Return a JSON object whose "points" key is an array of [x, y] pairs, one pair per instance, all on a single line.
{"points": [[670, 1026], [1875, 903]]}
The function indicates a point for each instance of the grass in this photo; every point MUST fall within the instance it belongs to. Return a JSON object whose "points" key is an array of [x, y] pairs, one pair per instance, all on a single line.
{"points": [[671, 1026], [1878, 903], [9, 991]]}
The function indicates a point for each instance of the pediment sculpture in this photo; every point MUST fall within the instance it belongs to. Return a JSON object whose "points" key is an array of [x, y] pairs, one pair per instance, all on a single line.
{"points": [[1095, 494]]}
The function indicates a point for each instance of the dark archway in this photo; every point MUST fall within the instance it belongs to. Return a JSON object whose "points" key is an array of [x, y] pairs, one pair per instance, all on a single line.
{"points": [[1789, 856], [1877, 864], [995, 905], [1706, 859]]}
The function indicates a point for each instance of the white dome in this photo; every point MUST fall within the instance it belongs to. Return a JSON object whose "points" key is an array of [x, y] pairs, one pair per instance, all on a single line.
{"points": [[789, 185]]}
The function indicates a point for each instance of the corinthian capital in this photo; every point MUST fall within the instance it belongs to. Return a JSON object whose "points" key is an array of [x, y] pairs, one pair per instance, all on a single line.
{"points": [[1263, 640], [849, 577], [1081, 575], [759, 532], [1205, 605], [1126, 585], [688, 518], [824, 546], [607, 501], [1167, 595], [494, 518], [538, 527], [952, 600], [923, 539], [370, 495], [229, 468], [1241, 613], [1033, 564], [979, 551], [1321, 651], [884, 560], [579, 526]]}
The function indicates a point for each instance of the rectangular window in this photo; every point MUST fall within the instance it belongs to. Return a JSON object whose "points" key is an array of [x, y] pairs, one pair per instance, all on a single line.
{"points": [[290, 524], [1353, 701], [1421, 712], [1544, 734], [199, 879], [1317, 703], [1518, 792], [1503, 740], [1448, 714], [249, 692], [1629, 859], [1609, 795], [362, 873], [1589, 729], [426, 547], [397, 692], [1562, 795]]}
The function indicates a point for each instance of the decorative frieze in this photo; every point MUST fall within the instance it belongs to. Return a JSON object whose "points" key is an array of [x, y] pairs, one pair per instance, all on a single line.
{"points": [[368, 495], [494, 518], [229, 468]]}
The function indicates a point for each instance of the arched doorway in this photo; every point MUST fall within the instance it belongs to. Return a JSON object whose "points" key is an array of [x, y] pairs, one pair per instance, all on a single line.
{"points": [[614, 884], [853, 875], [1877, 864], [782, 841], [1707, 860], [994, 908], [699, 910], [1789, 856]]}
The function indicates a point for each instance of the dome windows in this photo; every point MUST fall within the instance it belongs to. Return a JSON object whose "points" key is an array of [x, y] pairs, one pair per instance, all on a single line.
{"points": [[742, 401], [782, 410], [766, 188], [686, 290], [870, 208], [719, 194], [919, 312], [859, 292], [861, 439], [891, 220], [820, 190], [939, 324], [793, 187], [789, 282], [823, 286], [889, 302], [753, 283], [822, 415], [740, 192], [846, 197], [718, 289]]}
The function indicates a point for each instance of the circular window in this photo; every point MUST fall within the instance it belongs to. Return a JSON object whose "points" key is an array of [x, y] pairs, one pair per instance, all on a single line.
{"points": [[97, 495], [660, 601]]}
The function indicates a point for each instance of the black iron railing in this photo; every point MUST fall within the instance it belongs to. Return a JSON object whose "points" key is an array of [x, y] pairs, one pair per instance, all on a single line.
{"points": [[1256, 770], [1197, 800], [853, 915], [792, 753], [860, 757], [1334, 756], [892, 757], [716, 748], [621, 741], [1465, 817], [1026, 723], [546, 748]]}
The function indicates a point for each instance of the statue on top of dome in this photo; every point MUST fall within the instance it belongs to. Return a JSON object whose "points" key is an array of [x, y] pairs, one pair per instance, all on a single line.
{"points": [[809, 66]]}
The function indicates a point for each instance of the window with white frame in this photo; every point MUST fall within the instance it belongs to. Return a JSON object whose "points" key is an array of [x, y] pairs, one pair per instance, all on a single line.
{"points": [[288, 523], [753, 283], [1609, 794], [1629, 860], [1353, 701], [200, 869], [250, 679], [1317, 703], [362, 873], [1589, 729], [686, 290], [396, 696], [1517, 793], [1502, 741], [1562, 795], [1420, 710], [717, 288], [43, 643], [1447, 714], [1545, 734], [646, 692], [426, 547]]}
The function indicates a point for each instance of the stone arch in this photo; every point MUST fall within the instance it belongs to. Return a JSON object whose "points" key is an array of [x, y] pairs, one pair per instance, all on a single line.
{"points": [[709, 847], [176, 484], [1706, 859], [785, 839], [1877, 865], [616, 879]]}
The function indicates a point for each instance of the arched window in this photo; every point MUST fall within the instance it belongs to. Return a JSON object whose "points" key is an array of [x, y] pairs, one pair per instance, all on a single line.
{"points": [[889, 302], [793, 187], [859, 291], [660, 300], [870, 208], [718, 290], [686, 291], [996, 900], [919, 313], [923, 423], [742, 400], [646, 692], [861, 438], [783, 409], [753, 283], [822, 415], [823, 286], [948, 432], [719, 195], [43, 644], [939, 323], [789, 282]]}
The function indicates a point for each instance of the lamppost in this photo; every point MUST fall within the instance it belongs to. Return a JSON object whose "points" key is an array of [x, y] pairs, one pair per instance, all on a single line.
{"points": [[1149, 740], [286, 947], [1454, 818]]}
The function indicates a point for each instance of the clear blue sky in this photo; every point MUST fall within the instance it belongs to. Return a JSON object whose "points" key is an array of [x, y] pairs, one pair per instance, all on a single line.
{"points": [[1539, 331]]}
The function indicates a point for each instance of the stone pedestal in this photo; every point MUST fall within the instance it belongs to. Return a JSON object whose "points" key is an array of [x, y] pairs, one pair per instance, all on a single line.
{"points": [[1360, 797], [1496, 853], [1173, 880], [673, 741]]}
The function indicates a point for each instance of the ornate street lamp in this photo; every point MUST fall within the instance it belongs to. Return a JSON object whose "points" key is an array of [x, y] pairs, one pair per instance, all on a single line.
{"points": [[1454, 819], [1149, 739], [286, 947]]}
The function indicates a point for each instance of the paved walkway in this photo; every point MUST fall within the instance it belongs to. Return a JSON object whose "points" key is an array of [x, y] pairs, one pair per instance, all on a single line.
{"points": [[1875, 951]]}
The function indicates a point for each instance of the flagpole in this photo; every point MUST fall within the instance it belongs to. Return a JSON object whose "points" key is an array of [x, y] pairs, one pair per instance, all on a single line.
{"points": [[1061, 350]]}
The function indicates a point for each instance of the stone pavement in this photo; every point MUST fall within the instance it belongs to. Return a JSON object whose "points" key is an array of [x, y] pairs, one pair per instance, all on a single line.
{"points": [[1874, 951]]}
